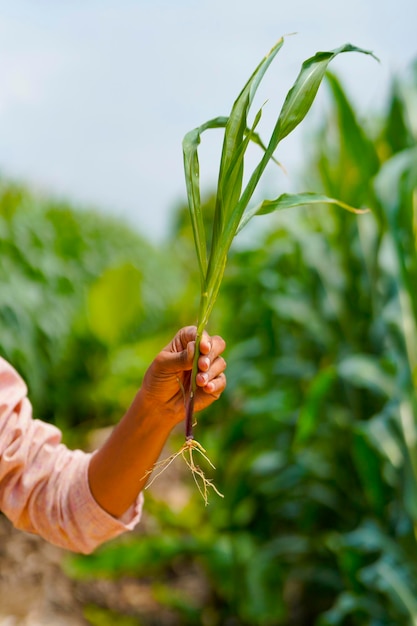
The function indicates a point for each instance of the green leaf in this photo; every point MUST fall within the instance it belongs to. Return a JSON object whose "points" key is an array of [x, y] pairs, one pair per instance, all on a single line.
{"points": [[190, 145], [365, 371], [360, 149], [310, 413], [289, 201], [396, 188], [234, 133], [395, 583], [382, 434], [301, 96], [369, 468], [296, 106], [115, 303], [347, 604], [233, 178], [397, 132]]}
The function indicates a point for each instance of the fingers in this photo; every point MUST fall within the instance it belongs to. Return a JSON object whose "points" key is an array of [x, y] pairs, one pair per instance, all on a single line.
{"points": [[180, 352], [214, 386], [183, 338], [212, 366], [210, 348]]}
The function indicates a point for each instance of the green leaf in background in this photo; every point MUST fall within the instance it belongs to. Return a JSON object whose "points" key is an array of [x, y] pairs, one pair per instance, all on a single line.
{"points": [[365, 371], [396, 189], [309, 417], [114, 305], [392, 579], [382, 434], [350, 605], [360, 149], [397, 133]]}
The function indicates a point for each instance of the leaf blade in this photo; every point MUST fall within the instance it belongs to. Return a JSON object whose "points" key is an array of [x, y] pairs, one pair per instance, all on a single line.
{"points": [[190, 145], [292, 113], [289, 201], [234, 133], [301, 95]]}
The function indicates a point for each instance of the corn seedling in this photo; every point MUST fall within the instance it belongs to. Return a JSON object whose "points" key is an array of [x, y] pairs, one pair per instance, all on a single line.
{"points": [[232, 205]]}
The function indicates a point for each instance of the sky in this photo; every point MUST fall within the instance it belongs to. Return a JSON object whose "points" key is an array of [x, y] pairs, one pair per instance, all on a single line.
{"points": [[96, 96]]}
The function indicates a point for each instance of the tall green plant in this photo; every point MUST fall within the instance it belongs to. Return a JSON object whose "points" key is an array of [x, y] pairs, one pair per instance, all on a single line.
{"points": [[380, 556], [232, 205]]}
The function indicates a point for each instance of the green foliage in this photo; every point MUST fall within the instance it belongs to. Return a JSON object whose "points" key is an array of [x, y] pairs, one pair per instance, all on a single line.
{"points": [[102, 617], [72, 297], [117, 293]]}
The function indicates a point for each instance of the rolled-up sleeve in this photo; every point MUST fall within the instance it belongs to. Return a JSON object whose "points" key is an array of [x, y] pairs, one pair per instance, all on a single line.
{"points": [[44, 485]]}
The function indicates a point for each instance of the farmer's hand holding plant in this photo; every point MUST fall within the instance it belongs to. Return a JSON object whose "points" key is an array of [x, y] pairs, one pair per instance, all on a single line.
{"points": [[168, 377], [119, 470]]}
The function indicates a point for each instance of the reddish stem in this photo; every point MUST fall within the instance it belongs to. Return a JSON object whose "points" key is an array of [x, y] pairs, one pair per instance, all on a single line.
{"points": [[189, 410], [189, 414]]}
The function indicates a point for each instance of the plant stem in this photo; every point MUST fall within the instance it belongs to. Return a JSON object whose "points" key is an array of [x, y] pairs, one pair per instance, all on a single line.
{"points": [[193, 387], [189, 411]]}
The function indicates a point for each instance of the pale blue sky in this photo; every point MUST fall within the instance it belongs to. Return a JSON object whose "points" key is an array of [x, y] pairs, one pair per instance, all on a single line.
{"points": [[96, 96]]}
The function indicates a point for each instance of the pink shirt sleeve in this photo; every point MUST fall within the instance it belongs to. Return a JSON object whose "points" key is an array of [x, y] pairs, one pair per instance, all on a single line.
{"points": [[43, 485]]}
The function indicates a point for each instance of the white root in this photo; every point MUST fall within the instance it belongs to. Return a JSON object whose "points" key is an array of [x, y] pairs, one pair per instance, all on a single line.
{"points": [[186, 451]]}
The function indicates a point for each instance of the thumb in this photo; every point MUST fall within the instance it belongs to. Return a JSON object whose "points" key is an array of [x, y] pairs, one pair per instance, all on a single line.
{"points": [[183, 360]]}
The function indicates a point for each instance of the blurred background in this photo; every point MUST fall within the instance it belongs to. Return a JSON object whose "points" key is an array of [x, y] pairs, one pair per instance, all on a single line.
{"points": [[315, 439], [96, 96]]}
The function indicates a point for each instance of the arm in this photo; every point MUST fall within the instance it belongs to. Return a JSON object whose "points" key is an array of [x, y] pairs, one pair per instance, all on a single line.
{"points": [[76, 500], [118, 471], [44, 485]]}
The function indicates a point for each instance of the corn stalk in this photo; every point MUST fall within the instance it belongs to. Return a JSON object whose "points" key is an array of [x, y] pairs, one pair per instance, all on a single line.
{"points": [[232, 206]]}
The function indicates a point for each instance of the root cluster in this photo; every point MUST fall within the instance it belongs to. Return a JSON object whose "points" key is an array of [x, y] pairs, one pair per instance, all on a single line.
{"points": [[186, 451]]}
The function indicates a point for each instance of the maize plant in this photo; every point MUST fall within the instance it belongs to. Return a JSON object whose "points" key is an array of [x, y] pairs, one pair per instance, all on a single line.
{"points": [[233, 208]]}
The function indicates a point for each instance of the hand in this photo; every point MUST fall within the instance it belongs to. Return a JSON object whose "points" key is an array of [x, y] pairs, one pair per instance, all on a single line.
{"points": [[167, 380], [119, 469]]}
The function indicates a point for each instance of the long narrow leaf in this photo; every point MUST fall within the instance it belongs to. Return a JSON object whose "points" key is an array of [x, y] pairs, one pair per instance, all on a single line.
{"points": [[233, 136], [238, 116], [190, 145], [360, 149], [301, 96], [296, 106], [288, 201], [233, 177]]}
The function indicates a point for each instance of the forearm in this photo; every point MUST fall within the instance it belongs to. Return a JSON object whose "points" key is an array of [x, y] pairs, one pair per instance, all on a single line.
{"points": [[118, 470]]}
